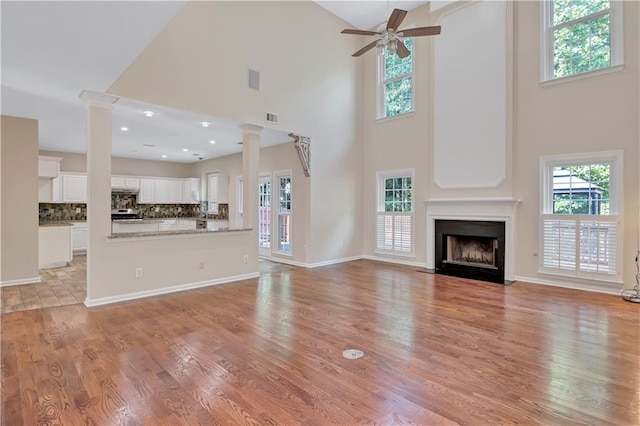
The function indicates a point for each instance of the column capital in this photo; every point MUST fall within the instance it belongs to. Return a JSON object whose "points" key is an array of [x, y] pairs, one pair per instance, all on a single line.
{"points": [[97, 99], [250, 129]]}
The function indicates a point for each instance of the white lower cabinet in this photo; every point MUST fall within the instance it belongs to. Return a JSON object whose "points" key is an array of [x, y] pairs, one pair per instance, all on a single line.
{"points": [[79, 237], [217, 224], [122, 227]]}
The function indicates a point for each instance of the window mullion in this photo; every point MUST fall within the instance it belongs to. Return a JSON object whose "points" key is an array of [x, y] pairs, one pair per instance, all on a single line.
{"points": [[579, 20]]}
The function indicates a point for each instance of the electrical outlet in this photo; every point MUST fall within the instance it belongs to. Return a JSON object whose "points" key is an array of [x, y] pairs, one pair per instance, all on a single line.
{"points": [[157, 209], [201, 265], [78, 210], [245, 258], [139, 273]]}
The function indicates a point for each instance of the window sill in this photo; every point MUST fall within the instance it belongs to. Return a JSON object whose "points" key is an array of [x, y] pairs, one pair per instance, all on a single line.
{"points": [[609, 282], [396, 255], [582, 75], [393, 117]]}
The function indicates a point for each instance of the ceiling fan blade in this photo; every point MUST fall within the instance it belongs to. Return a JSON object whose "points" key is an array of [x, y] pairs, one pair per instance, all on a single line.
{"points": [[422, 31], [402, 51], [359, 32], [396, 18], [366, 48]]}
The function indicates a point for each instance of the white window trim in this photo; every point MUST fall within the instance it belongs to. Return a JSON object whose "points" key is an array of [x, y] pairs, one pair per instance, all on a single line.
{"points": [[380, 107], [381, 176], [546, 45], [547, 163], [275, 213]]}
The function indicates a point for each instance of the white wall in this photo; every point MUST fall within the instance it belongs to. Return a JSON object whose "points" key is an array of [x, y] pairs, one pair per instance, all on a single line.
{"points": [[307, 76], [593, 114]]}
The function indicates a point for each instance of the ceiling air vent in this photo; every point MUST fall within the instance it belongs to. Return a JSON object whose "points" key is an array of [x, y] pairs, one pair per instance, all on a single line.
{"points": [[271, 117]]}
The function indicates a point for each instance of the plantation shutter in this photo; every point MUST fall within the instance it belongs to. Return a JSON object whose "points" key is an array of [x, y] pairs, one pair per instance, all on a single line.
{"points": [[580, 245], [394, 233]]}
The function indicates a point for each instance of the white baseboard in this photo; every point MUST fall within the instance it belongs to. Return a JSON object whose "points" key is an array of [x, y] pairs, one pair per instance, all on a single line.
{"points": [[165, 290], [395, 260], [570, 285], [333, 262], [21, 281], [312, 265]]}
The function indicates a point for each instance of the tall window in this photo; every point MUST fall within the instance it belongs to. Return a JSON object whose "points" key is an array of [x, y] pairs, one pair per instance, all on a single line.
{"points": [[395, 88], [394, 225], [284, 213], [581, 36], [581, 203], [264, 213]]}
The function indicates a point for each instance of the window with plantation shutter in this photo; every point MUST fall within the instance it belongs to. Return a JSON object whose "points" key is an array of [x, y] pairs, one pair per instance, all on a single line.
{"points": [[394, 223], [580, 225]]}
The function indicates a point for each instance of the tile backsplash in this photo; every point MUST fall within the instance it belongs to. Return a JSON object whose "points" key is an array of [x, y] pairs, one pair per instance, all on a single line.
{"points": [[70, 212], [55, 211]]}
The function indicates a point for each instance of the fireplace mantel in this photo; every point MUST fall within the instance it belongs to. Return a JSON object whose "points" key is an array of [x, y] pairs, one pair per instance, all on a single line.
{"points": [[500, 209]]}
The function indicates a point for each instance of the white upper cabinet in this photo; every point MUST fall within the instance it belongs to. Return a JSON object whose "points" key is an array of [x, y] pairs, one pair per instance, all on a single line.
{"points": [[218, 188], [191, 191], [147, 194], [74, 188], [48, 167], [175, 192], [125, 182]]}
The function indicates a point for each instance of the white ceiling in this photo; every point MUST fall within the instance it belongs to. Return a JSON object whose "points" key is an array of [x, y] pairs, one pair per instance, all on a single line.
{"points": [[367, 14], [51, 51]]}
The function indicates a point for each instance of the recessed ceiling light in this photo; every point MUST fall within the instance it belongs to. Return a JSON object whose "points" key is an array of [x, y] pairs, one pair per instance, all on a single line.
{"points": [[185, 149], [212, 141], [124, 129], [148, 144], [148, 113], [164, 155], [205, 124]]}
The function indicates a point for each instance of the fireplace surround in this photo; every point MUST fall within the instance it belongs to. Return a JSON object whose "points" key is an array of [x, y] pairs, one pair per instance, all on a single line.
{"points": [[470, 249], [492, 209]]}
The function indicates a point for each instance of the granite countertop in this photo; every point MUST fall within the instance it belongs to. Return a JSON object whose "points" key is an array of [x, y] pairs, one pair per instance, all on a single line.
{"points": [[182, 232], [48, 223], [160, 219]]}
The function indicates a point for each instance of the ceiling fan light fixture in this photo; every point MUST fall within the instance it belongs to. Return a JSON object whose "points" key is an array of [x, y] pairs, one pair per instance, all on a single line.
{"points": [[392, 47], [380, 47]]}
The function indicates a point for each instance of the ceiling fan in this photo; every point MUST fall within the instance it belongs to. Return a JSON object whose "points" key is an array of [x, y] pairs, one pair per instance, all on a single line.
{"points": [[391, 37]]}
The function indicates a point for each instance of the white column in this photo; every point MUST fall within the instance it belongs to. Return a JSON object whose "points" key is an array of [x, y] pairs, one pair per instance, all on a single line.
{"points": [[250, 177], [99, 106]]}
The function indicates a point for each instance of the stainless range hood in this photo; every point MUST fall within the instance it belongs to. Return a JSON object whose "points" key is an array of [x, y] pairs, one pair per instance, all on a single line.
{"points": [[125, 190]]}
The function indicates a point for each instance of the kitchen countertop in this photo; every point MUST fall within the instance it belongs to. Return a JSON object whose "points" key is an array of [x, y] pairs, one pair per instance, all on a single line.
{"points": [[54, 223], [160, 219], [124, 235]]}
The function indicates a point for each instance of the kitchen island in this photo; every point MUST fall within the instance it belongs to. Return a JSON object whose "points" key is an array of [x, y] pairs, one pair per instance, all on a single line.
{"points": [[54, 244], [174, 233]]}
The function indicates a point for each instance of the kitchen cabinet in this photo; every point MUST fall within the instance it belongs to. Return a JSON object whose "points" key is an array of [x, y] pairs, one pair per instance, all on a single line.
{"points": [[191, 191], [79, 237], [74, 188], [125, 182], [48, 167], [217, 191], [122, 227], [168, 191], [147, 194], [54, 246]]}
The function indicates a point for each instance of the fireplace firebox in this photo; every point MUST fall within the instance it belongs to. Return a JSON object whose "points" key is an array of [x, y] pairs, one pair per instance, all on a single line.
{"points": [[470, 249]]}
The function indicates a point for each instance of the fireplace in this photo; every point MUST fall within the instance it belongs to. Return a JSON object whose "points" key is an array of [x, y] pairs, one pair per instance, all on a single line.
{"points": [[470, 249]]}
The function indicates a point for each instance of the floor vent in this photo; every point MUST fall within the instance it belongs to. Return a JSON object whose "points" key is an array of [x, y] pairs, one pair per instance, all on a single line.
{"points": [[271, 117], [352, 354]]}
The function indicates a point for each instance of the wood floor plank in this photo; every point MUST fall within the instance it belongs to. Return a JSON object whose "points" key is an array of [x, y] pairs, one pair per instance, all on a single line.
{"points": [[438, 351]]}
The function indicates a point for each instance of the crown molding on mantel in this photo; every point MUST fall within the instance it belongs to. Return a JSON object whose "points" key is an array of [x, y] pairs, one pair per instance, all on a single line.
{"points": [[479, 200]]}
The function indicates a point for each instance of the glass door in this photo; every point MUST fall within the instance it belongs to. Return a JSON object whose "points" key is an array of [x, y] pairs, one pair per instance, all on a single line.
{"points": [[264, 216]]}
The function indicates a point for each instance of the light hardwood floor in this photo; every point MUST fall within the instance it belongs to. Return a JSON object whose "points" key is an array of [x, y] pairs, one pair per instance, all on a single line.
{"points": [[438, 350]]}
